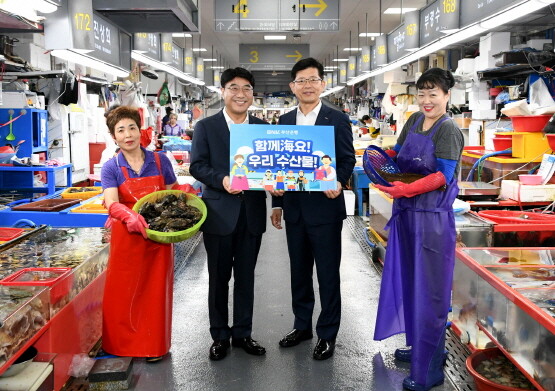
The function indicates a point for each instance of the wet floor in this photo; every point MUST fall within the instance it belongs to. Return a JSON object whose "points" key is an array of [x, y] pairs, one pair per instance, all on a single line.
{"points": [[359, 362]]}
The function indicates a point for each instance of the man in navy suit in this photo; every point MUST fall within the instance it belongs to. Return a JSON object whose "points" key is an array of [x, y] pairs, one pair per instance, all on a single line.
{"points": [[314, 219], [235, 220]]}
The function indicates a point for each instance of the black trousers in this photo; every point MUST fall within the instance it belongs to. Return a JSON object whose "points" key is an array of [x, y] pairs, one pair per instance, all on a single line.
{"points": [[307, 245], [236, 252]]}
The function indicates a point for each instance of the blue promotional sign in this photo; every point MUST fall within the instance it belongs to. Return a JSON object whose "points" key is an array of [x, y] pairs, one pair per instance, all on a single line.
{"points": [[282, 157]]}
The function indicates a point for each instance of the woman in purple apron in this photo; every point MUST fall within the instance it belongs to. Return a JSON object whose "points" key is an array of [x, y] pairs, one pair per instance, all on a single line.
{"points": [[418, 271]]}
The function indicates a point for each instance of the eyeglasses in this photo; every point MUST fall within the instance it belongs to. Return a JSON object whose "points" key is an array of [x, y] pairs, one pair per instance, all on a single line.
{"points": [[302, 82], [247, 90]]}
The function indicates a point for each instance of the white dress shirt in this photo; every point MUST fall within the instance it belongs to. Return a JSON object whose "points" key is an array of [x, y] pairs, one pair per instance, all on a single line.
{"points": [[310, 117], [229, 121]]}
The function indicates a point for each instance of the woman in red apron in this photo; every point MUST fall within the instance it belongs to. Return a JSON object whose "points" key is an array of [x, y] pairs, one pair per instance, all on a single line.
{"points": [[137, 305]]}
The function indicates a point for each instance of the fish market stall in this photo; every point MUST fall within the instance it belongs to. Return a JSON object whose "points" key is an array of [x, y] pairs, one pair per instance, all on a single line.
{"points": [[507, 295], [53, 284]]}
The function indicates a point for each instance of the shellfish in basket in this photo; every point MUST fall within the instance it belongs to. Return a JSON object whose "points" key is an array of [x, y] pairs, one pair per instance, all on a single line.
{"points": [[170, 213]]}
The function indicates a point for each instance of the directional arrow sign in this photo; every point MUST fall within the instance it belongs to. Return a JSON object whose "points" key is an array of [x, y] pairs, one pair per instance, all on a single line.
{"points": [[321, 7], [271, 57], [297, 55]]}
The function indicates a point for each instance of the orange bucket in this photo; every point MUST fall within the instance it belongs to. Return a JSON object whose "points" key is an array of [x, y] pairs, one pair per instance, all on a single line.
{"points": [[483, 384]]}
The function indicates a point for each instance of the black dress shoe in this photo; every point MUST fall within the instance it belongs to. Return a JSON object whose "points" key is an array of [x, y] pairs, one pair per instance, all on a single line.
{"points": [[249, 345], [218, 350], [324, 349], [295, 337]]}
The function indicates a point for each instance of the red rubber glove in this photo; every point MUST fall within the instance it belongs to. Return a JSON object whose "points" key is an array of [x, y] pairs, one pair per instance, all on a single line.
{"points": [[391, 153], [135, 222], [424, 185]]}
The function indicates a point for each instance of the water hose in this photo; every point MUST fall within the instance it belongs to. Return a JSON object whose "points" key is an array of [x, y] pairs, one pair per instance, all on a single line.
{"points": [[471, 172]]}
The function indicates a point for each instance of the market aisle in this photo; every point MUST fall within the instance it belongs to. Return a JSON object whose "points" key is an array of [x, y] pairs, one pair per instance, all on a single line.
{"points": [[359, 362]]}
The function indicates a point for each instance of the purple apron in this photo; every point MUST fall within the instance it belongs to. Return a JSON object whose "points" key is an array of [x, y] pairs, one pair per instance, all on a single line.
{"points": [[415, 290]]}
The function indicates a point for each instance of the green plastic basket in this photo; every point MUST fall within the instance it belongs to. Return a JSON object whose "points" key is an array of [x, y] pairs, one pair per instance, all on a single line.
{"points": [[178, 236]]}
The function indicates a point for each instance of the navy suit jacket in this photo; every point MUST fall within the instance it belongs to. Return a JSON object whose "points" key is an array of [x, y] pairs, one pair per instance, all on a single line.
{"points": [[209, 165], [314, 207]]}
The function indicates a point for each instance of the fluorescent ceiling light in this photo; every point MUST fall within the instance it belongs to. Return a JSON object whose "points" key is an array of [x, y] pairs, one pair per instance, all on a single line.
{"points": [[330, 68], [217, 67], [340, 59], [275, 37], [199, 50], [369, 34], [394, 10], [94, 63], [184, 35], [215, 89], [209, 59], [164, 67], [45, 6], [331, 91], [352, 49]]}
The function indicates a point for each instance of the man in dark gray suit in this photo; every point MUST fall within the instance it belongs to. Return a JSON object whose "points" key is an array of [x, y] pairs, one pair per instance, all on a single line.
{"points": [[314, 219], [235, 221]]}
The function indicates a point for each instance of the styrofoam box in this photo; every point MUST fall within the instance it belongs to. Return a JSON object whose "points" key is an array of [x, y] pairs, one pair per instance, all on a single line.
{"points": [[465, 65], [513, 190], [484, 61], [537, 43], [395, 76], [484, 114], [349, 202], [398, 89], [34, 55], [495, 42]]}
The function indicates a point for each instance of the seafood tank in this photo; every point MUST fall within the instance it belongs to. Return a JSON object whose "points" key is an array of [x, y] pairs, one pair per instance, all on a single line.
{"points": [[23, 312], [508, 295], [84, 250]]}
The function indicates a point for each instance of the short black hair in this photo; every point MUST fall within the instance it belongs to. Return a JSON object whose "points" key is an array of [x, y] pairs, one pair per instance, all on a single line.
{"points": [[231, 73], [305, 63], [436, 77], [168, 110], [365, 117]]}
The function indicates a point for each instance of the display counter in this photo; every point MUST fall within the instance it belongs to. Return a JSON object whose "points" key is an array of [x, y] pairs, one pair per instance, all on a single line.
{"points": [[84, 214], [64, 318], [507, 295]]}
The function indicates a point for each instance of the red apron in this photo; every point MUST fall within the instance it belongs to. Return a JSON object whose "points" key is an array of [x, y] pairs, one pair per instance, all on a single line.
{"points": [[137, 306]]}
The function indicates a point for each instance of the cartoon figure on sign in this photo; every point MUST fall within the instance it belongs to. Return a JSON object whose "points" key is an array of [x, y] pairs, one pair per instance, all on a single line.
{"points": [[301, 181], [239, 173], [328, 182], [290, 180], [268, 180], [279, 180]]}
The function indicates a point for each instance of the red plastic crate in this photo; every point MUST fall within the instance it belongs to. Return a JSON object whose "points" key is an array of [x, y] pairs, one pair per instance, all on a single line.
{"points": [[7, 234], [43, 276]]}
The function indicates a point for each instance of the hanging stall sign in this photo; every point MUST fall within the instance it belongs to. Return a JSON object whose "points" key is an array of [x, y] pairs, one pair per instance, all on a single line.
{"points": [[373, 57], [148, 44], [271, 57], [329, 80], [172, 54], [412, 30], [263, 15], [282, 157], [124, 50], [396, 43], [365, 59], [189, 66], [335, 79], [199, 68], [106, 41], [70, 26], [217, 74], [342, 73], [476, 10], [352, 67], [439, 16], [381, 50]]}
